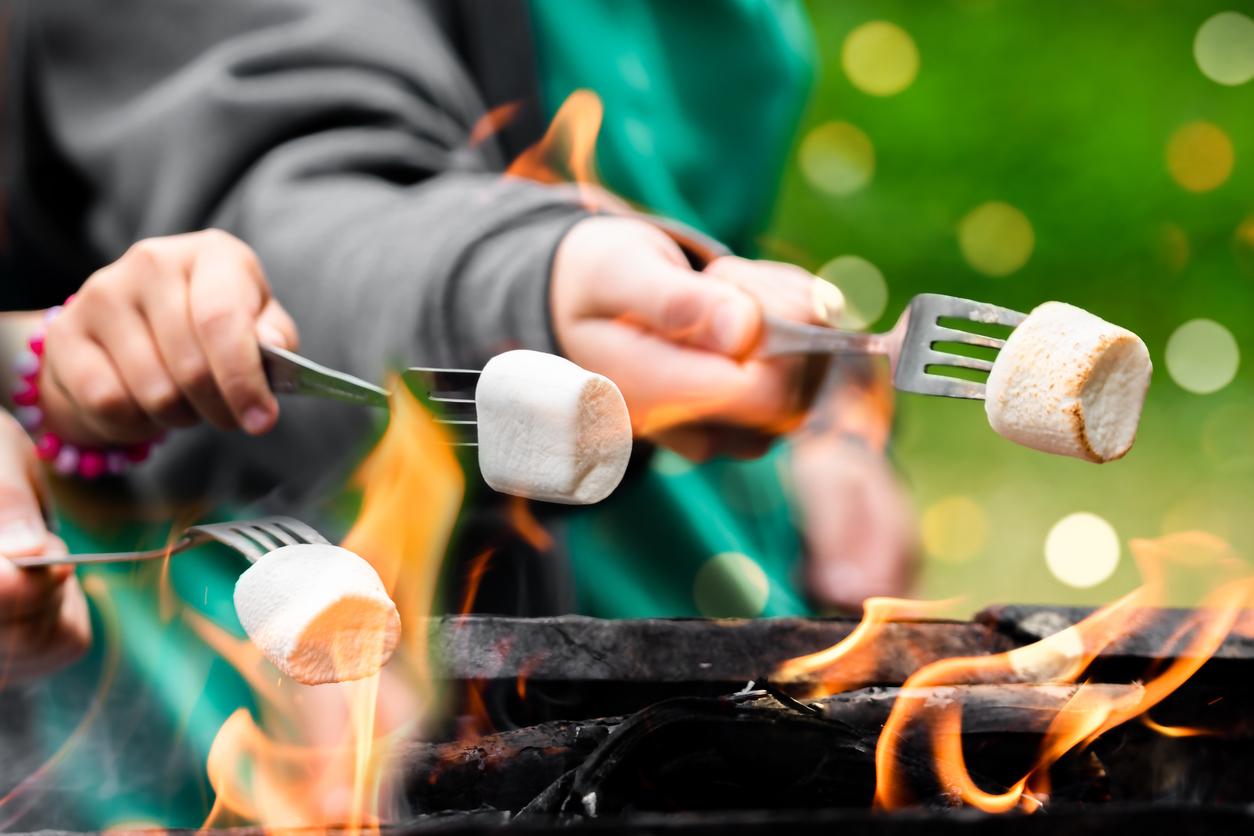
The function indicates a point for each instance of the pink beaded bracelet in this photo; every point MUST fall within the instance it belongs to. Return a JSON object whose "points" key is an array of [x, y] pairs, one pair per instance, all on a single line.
{"points": [[66, 458]]}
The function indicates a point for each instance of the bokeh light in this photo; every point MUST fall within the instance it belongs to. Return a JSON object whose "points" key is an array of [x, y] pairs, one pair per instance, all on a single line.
{"points": [[996, 239], [1082, 550], [880, 58], [730, 585], [1224, 48], [954, 529], [837, 158], [864, 288], [1202, 356], [1200, 156]]}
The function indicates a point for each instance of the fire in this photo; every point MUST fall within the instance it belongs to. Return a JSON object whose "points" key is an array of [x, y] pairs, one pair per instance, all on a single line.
{"points": [[1064, 657], [845, 664], [567, 152], [313, 756]]}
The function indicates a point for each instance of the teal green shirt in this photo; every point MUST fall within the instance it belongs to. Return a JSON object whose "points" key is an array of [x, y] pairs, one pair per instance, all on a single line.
{"points": [[701, 100]]}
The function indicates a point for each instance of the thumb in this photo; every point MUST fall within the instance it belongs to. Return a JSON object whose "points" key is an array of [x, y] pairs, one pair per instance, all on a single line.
{"points": [[22, 529], [276, 328]]}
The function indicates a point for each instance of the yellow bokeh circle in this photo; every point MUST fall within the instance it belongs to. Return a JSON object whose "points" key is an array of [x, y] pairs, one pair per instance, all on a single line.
{"points": [[1202, 356], [1200, 156], [1224, 48], [954, 529], [996, 239], [880, 58], [837, 158], [1082, 550], [863, 286]]}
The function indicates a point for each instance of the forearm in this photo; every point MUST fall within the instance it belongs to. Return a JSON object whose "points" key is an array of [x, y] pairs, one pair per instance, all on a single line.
{"points": [[446, 272]]}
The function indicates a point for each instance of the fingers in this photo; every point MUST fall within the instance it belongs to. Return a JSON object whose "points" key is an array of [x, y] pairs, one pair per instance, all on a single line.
{"points": [[22, 529], [668, 385], [165, 336], [626, 270], [82, 392], [227, 293], [122, 329], [167, 309], [783, 290]]}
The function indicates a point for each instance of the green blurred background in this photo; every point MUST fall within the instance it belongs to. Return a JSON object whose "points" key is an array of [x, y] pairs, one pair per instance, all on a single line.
{"points": [[1084, 118]]}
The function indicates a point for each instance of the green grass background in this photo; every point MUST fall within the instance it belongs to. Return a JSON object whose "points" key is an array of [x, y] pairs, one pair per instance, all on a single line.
{"points": [[1063, 110]]}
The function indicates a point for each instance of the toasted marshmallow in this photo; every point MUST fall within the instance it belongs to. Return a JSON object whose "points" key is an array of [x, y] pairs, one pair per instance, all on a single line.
{"points": [[319, 612], [1068, 382], [550, 430]]}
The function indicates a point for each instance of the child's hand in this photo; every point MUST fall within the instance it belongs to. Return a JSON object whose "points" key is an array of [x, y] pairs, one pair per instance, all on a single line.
{"points": [[43, 616], [679, 343], [165, 337]]}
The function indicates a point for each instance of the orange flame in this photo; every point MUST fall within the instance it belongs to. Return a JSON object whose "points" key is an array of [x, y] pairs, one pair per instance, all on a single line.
{"points": [[313, 756], [567, 152], [1063, 657], [844, 665]]}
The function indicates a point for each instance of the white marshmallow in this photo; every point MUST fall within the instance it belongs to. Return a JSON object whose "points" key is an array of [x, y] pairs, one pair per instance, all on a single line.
{"points": [[1069, 382], [319, 612], [550, 430]]}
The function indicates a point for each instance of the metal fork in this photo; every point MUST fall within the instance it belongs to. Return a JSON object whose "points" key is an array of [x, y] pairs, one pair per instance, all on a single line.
{"points": [[251, 538], [453, 389], [911, 345]]}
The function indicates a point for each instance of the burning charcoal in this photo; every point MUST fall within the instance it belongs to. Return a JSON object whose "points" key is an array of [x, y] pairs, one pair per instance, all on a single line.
{"points": [[550, 430], [1068, 382], [318, 612]]}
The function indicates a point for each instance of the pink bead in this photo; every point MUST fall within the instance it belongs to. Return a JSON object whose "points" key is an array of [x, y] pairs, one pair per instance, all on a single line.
{"points": [[91, 464], [26, 394], [138, 452], [67, 460], [26, 364], [30, 417], [48, 446], [37, 345]]}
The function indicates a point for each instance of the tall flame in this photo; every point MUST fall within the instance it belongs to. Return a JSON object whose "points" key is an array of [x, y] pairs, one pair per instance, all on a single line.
{"points": [[567, 152], [313, 756]]}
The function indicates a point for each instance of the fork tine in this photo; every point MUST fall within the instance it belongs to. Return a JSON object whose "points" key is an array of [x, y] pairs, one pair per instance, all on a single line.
{"points": [[229, 535], [302, 532], [944, 358], [276, 533], [265, 539], [939, 333], [946, 387]]}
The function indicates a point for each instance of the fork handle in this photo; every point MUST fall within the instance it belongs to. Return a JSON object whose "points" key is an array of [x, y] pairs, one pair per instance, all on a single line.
{"points": [[38, 560], [785, 336]]}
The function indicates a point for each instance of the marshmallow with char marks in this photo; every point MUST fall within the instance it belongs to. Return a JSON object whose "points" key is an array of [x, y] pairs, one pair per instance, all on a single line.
{"points": [[1069, 382]]}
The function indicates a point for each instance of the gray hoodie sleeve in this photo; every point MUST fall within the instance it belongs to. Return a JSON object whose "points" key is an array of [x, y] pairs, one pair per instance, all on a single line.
{"points": [[333, 137]]}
